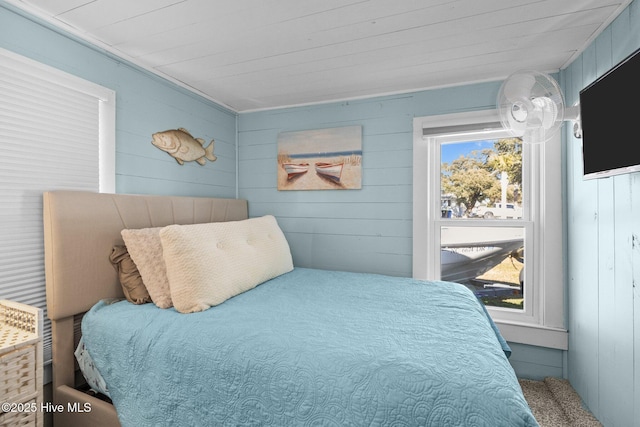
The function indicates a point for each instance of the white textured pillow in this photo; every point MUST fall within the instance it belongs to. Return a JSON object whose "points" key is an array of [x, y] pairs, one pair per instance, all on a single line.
{"points": [[145, 249], [210, 263]]}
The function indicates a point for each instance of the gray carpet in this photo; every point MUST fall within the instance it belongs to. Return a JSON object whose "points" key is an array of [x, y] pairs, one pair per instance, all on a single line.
{"points": [[555, 403]]}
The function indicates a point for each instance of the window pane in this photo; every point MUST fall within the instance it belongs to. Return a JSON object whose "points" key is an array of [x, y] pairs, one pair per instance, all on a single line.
{"points": [[488, 260], [481, 179]]}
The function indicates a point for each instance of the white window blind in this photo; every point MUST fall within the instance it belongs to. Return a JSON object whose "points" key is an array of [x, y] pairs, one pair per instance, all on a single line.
{"points": [[56, 132]]}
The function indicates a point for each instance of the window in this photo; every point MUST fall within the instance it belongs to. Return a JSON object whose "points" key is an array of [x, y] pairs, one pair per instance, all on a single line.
{"points": [[56, 132], [485, 221], [486, 205]]}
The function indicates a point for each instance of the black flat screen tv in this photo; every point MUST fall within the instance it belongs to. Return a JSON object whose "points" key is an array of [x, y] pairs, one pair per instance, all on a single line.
{"points": [[610, 116]]}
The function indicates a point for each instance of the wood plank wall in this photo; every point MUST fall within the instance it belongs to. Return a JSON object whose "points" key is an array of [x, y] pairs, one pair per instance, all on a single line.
{"points": [[356, 230], [603, 254]]}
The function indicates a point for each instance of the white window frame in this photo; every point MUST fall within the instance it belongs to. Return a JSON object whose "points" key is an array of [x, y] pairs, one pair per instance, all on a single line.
{"points": [[541, 322]]}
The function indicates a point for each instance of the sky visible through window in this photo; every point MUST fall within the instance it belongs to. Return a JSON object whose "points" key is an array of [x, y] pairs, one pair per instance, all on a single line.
{"points": [[450, 152]]}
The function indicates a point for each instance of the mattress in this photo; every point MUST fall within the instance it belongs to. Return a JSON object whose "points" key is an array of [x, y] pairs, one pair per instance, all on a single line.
{"points": [[310, 347]]}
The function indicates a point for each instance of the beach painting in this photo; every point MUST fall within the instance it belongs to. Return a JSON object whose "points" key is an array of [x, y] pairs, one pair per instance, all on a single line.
{"points": [[321, 159]]}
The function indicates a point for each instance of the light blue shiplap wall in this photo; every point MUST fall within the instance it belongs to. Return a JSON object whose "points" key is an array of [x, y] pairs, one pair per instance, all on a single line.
{"points": [[357, 230], [370, 229], [603, 253], [144, 104]]}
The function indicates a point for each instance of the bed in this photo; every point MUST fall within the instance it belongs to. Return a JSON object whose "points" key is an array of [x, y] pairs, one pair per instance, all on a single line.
{"points": [[304, 347]]}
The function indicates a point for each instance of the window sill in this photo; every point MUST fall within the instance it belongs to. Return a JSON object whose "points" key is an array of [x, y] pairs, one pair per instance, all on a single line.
{"points": [[537, 335]]}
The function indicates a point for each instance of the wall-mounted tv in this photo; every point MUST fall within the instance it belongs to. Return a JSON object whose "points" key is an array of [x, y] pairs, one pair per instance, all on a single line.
{"points": [[610, 115]]}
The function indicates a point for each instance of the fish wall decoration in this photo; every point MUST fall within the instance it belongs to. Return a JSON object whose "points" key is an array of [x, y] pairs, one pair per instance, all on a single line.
{"points": [[183, 147]]}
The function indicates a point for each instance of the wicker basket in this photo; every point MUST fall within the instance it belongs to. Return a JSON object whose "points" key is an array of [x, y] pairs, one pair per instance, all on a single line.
{"points": [[21, 367]]}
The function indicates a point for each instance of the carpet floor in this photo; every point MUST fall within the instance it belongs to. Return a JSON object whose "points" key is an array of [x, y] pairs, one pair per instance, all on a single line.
{"points": [[555, 403]]}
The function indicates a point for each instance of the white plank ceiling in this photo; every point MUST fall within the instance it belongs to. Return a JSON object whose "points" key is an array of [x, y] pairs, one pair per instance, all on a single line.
{"points": [[260, 54]]}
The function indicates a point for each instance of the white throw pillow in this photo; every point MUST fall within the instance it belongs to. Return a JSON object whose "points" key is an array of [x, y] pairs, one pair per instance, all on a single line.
{"points": [[145, 249], [209, 263]]}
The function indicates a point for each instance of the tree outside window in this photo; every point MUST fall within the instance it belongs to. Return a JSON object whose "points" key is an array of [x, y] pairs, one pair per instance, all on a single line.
{"points": [[483, 180]]}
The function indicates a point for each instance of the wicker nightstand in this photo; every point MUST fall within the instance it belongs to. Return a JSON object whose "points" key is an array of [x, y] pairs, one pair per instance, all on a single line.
{"points": [[20, 364]]}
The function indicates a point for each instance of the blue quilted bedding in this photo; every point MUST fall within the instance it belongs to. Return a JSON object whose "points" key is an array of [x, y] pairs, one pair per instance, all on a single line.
{"points": [[310, 347]]}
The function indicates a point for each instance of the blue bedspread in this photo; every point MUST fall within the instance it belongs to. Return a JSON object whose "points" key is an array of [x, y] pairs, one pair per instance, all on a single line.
{"points": [[310, 347]]}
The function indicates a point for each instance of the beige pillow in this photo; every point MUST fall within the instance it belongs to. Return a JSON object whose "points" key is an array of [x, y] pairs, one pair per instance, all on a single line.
{"points": [[210, 263], [145, 248], [129, 276]]}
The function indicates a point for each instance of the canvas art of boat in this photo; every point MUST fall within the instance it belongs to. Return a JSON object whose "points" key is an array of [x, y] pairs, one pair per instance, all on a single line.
{"points": [[467, 253], [332, 171], [295, 169]]}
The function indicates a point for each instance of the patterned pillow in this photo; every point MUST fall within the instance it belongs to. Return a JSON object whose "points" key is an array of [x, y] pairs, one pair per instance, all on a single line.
{"points": [[209, 263], [89, 370], [145, 248]]}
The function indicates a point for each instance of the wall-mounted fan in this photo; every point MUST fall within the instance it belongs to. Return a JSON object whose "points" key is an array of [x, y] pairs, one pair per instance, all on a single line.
{"points": [[531, 105]]}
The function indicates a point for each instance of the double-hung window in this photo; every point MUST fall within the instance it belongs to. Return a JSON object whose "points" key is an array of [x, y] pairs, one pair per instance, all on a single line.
{"points": [[487, 214]]}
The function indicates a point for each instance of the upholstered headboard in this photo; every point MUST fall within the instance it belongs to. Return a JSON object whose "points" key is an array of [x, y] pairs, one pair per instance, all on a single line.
{"points": [[80, 230]]}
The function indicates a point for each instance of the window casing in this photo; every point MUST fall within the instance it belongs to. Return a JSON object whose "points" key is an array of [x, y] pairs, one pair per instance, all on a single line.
{"points": [[541, 321]]}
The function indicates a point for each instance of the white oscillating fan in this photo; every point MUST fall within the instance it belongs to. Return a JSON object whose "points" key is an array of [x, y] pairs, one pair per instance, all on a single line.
{"points": [[531, 105]]}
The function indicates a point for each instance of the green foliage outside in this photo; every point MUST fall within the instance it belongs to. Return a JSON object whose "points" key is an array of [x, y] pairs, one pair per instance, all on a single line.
{"points": [[502, 302], [476, 177]]}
